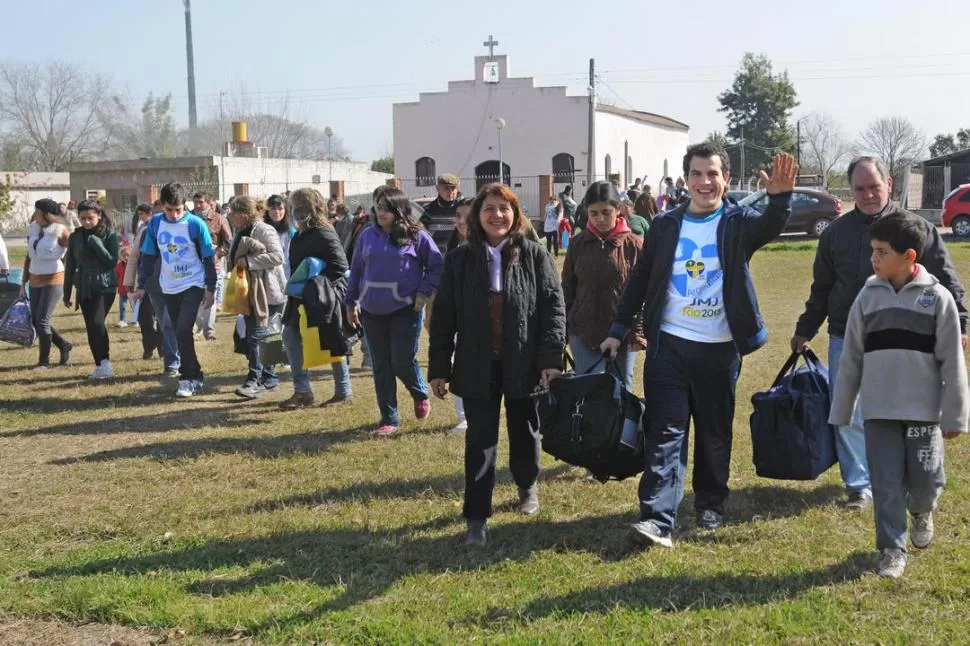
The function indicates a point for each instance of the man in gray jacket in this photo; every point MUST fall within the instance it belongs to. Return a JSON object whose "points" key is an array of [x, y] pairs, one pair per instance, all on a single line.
{"points": [[842, 266]]}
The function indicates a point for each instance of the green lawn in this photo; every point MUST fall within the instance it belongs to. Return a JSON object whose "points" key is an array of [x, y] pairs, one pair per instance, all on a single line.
{"points": [[215, 519]]}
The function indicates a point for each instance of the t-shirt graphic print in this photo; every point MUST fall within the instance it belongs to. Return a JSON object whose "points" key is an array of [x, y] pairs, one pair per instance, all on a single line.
{"points": [[695, 296]]}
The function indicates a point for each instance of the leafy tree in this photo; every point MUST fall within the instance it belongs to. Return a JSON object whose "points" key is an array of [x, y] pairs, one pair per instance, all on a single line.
{"points": [[943, 145], [149, 133], [758, 105], [6, 200], [383, 165]]}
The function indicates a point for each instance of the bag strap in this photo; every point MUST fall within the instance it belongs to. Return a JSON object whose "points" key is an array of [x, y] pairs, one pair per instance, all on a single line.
{"points": [[785, 369]]}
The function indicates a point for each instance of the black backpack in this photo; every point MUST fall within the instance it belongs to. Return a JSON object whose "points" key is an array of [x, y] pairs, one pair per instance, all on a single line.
{"points": [[592, 421]]}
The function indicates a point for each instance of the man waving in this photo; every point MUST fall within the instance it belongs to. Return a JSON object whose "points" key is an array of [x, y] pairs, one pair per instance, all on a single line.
{"points": [[701, 315]]}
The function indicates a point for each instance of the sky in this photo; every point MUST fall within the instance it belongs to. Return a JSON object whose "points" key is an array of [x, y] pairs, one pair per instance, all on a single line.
{"points": [[344, 64]]}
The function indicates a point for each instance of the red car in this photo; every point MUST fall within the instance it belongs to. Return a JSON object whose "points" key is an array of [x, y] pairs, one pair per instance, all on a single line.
{"points": [[956, 211]]}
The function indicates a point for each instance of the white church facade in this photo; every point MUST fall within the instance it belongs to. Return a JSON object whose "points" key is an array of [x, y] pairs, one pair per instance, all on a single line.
{"points": [[545, 132]]}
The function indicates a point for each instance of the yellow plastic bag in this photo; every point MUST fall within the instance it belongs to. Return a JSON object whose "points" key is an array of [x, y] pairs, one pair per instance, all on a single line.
{"points": [[229, 294], [313, 354], [242, 292]]}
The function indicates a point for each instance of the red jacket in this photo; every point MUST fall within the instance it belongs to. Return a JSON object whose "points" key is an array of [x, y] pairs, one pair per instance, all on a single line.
{"points": [[120, 273]]}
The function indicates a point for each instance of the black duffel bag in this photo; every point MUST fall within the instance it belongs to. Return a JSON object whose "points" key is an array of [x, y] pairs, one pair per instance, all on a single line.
{"points": [[791, 437], [592, 421]]}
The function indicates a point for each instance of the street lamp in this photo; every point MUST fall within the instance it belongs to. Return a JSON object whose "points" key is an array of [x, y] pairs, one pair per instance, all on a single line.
{"points": [[499, 124], [328, 131]]}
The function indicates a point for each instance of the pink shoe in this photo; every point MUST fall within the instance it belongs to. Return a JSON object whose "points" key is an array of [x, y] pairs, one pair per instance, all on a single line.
{"points": [[385, 430], [422, 408]]}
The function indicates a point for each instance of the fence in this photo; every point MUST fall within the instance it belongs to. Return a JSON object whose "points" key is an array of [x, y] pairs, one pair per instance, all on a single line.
{"points": [[525, 187]]}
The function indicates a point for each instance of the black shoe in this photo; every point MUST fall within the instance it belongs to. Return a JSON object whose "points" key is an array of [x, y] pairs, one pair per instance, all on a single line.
{"points": [[148, 354], [476, 534], [709, 519], [529, 501], [65, 353]]}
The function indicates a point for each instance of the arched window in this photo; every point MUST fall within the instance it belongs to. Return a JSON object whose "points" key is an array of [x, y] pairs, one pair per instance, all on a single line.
{"points": [[424, 172], [487, 173], [563, 168], [608, 166]]}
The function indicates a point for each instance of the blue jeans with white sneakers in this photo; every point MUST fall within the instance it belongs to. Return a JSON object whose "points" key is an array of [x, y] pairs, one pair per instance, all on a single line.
{"points": [[850, 440]]}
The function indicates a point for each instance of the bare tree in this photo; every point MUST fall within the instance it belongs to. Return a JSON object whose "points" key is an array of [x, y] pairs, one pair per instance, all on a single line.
{"points": [[52, 112], [825, 144], [272, 124], [897, 141], [149, 132]]}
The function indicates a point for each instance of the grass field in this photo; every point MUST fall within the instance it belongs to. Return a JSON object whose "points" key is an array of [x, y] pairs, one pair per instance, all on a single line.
{"points": [[217, 520]]}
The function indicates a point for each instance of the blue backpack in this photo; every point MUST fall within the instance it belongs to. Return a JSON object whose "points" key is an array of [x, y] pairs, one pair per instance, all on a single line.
{"points": [[791, 437]]}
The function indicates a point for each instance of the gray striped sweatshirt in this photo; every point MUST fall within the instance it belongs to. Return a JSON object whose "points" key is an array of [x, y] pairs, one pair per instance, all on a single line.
{"points": [[903, 357]]}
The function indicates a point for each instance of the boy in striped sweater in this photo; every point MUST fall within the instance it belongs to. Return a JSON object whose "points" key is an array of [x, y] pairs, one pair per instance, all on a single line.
{"points": [[903, 358]]}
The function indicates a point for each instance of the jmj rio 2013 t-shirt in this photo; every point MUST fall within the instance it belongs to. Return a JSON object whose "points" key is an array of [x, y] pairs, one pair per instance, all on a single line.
{"points": [[695, 296], [180, 246]]}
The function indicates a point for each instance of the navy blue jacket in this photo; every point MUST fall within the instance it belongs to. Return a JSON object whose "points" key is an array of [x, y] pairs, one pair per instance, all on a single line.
{"points": [[741, 231]]}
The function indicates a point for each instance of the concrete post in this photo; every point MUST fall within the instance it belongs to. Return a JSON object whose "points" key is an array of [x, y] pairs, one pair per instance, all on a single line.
{"points": [[546, 189], [337, 190]]}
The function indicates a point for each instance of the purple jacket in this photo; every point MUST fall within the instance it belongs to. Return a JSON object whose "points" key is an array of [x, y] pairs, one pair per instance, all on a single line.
{"points": [[385, 278]]}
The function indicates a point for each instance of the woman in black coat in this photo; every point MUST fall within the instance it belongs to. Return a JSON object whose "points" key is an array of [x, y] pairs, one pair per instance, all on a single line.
{"points": [[501, 295], [315, 238]]}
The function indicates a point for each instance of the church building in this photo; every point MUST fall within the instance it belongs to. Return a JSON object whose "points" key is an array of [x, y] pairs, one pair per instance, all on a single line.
{"points": [[535, 131]]}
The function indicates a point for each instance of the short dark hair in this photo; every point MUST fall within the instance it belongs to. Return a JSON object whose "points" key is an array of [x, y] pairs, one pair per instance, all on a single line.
{"points": [[879, 164], [602, 192], [568, 189], [172, 193], [902, 231], [144, 208], [274, 201], [202, 195], [707, 150], [465, 201]]}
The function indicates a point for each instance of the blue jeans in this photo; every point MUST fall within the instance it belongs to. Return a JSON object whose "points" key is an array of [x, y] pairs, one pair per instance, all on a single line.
{"points": [[586, 357], [123, 309], [850, 441], [170, 348], [393, 342], [293, 343], [254, 334]]}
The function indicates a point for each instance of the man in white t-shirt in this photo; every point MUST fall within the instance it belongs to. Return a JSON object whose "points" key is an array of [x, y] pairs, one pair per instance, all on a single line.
{"points": [[181, 242], [701, 316]]}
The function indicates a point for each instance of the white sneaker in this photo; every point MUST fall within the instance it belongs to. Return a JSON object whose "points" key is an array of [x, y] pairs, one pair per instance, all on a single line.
{"points": [[921, 530], [893, 563], [185, 388], [460, 428], [197, 385], [102, 371], [122, 323]]}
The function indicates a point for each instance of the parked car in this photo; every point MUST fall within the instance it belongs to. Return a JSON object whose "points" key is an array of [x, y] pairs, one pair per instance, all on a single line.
{"points": [[812, 210], [737, 196], [956, 211]]}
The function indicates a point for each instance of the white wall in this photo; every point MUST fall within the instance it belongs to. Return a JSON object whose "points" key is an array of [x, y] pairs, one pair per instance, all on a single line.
{"points": [[650, 145], [456, 128], [27, 188], [268, 176]]}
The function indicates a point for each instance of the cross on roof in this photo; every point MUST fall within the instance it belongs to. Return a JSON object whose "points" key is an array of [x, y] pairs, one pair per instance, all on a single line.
{"points": [[490, 43]]}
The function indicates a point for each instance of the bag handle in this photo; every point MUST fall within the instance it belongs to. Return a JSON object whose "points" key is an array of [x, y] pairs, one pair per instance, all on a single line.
{"points": [[811, 360]]}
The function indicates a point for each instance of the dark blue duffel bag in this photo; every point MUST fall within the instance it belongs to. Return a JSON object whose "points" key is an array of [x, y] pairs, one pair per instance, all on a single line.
{"points": [[790, 434]]}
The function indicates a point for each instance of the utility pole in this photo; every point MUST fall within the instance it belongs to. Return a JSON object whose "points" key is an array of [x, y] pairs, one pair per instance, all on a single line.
{"points": [[190, 60], [225, 148], [741, 176], [798, 143], [591, 143]]}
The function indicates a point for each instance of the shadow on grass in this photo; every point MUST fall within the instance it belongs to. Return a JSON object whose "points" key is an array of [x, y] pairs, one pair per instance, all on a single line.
{"points": [[177, 420], [360, 565], [441, 486], [268, 446], [684, 592]]}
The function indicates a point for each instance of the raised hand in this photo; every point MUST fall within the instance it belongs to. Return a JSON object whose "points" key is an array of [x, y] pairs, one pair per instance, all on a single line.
{"points": [[784, 171]]}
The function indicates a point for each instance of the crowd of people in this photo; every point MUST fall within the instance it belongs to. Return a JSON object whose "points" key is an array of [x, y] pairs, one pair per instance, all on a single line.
{"points": [[666, 276]]}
